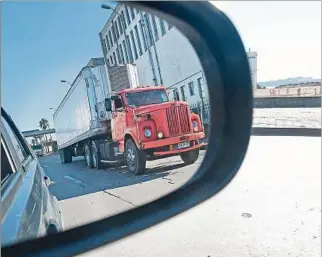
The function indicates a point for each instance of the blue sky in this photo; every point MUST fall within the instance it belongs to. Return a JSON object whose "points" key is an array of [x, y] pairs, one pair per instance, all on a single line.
{"points": [[44, 42]]}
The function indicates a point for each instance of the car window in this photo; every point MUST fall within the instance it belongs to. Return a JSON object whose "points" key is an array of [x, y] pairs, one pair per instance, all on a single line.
{"points": [[21, 153], [6, 165]]}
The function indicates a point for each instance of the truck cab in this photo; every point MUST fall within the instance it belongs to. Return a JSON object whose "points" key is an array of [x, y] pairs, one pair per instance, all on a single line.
{"points": [[146, 125]]}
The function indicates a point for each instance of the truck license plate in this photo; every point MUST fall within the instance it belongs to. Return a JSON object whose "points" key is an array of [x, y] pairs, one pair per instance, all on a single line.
{"points": [[183, 145]]}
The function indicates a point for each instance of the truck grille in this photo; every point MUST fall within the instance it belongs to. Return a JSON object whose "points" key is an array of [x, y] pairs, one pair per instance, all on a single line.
{"points": [[178, 120]]}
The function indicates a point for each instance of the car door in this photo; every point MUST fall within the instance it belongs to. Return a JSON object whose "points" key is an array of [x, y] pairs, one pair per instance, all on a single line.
{"points": [[118, 119], [25, 199]]}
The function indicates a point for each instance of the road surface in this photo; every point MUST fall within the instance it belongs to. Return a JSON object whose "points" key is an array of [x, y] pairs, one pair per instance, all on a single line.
{"points": [[271, 208]]}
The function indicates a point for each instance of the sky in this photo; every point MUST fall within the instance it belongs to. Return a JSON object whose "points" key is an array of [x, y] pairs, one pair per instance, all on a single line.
{"points": [[45, 42]]}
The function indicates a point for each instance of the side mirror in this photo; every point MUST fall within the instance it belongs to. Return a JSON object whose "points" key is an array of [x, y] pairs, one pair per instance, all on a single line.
{"points": [[108, 105]]}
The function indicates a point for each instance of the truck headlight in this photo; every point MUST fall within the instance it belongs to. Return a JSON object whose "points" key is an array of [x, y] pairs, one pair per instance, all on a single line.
{"points": [[147, 132], [195, 126], [160, 135]]}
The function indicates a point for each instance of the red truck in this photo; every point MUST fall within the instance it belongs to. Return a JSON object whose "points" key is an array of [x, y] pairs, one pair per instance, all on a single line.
{"points": [[146, 126], [108, 118]]}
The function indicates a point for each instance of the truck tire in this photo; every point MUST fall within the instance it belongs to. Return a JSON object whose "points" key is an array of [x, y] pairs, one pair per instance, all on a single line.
{"points": [[135, 158], [96, 156], [65, 156], [190, 157], [88, 156]]}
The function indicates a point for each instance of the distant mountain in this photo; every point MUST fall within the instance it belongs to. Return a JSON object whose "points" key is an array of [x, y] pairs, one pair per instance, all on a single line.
{"points": [[280, 82]]}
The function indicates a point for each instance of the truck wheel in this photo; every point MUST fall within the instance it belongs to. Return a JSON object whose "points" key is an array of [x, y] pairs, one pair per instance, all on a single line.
{"points": [[190, 157], [88, 156], [135, 159], [65, 156], [96, 156]]}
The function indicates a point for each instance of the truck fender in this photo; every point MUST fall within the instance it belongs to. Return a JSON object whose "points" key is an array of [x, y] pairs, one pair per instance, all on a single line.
{"points": [[127, 136]]}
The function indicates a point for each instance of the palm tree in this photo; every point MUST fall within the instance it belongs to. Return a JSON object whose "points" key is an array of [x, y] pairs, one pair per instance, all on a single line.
{"points": [[44, 124]]}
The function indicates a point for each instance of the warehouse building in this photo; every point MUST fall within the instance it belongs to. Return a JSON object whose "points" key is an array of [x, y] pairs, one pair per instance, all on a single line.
{"points": [[161, 53]]}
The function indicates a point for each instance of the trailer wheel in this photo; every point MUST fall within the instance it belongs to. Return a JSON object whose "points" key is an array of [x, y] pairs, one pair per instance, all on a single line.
{"points": [[96, 156], [65, 155], [135, 159], [88, 156], [190, 157]]}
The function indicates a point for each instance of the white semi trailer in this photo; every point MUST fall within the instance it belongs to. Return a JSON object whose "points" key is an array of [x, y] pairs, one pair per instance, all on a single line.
{"points": [[81, 117]]}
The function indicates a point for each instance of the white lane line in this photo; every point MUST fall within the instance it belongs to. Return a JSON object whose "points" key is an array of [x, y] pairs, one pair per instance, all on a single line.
{"points": [[73, 179]]}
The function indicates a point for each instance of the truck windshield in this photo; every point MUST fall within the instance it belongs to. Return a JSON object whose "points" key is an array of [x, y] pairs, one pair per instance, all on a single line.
{"points": [[146, 97]]}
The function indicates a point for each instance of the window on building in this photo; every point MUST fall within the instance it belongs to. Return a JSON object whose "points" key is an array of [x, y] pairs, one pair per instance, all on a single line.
{"points": [[162, 27], [107, 42], [183, 93], [128, 44], [123, 20], [143, 35], [137, 11], [200, 87], [116, 30], [136, 56], [111, 60], [127, 15], [120, 25], [155, 28], [132, 13], [149, 29], [114, 58], [176, 96], [136, 31], [104, 46], [191, 88], [125, 51], [110, 37], [108, 62], [118, 55], [114, 33], [121, 53]]}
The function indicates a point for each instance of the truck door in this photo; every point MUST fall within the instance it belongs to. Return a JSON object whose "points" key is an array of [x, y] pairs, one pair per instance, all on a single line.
{"points": [[118, 119]]}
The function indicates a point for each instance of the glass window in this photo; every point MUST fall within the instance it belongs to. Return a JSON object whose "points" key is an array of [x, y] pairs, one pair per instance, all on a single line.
{"points": [[200, 87], [108, 62], [125, 51], [143, 35], [155, 28], [136, 31], [15, 141], [176, 96], [114, 33], [134, 46], [137, 11], [7, 167], [129, 49], [127, 15], [120, 25], [191, 88], [118, 55], [183, 93], [162, 27], [123, 20], [132, 13], [104, 46], [107, 43], [149, 30], [121, 53], [146, 97], [110, 37], [114, 58], [117, 30]]}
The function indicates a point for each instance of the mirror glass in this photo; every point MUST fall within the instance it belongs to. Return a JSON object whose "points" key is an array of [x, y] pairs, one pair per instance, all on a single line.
{"points": [[117, 113]]}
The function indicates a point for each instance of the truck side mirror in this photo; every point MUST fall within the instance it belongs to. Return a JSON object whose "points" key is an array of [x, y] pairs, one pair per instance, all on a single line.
{"points": [[108, 105]]}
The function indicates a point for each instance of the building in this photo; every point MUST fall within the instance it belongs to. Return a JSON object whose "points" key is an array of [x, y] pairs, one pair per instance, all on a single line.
{"points": [[161, 53]]}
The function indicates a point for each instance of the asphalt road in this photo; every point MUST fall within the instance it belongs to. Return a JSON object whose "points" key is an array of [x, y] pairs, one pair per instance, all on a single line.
{"points": [[111, 190], [271, 208]]}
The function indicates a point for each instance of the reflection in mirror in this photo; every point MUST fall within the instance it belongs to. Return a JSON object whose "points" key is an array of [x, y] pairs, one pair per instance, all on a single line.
{"points": [[99, 160]]}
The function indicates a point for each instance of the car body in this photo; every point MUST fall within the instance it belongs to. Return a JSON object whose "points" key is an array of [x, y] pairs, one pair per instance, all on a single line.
{"points": [[28, 208], [38, 150]]}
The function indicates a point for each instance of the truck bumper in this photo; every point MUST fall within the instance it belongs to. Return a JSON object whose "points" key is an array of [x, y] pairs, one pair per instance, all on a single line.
{"points": [[172, 143]]}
